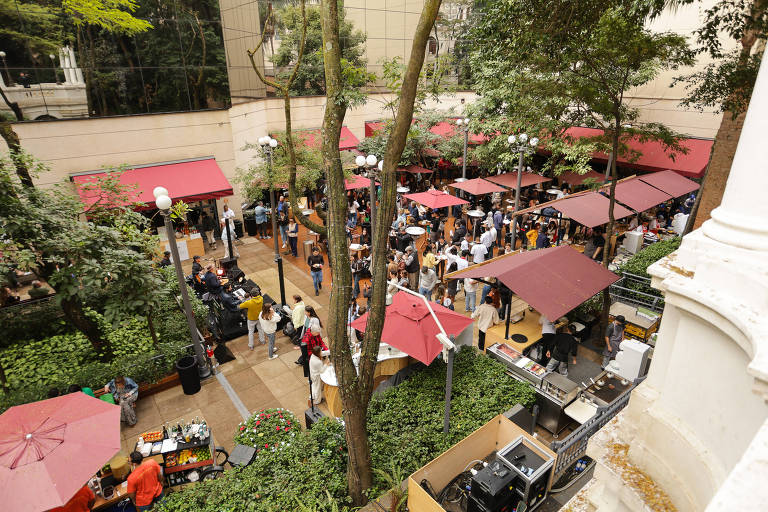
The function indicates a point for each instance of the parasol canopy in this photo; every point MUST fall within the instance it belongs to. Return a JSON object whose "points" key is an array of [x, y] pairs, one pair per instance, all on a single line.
{"points": [[435, 199], [478, 187], [50, 449], [357, 181], [408, 314]]}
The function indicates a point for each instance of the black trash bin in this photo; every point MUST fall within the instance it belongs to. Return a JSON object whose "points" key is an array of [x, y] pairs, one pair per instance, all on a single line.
{"points": [[186, 367]]}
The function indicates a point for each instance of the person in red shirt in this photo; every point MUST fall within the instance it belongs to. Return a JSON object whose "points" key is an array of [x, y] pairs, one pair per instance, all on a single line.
{"points": [[145, 482], [80, 502]]}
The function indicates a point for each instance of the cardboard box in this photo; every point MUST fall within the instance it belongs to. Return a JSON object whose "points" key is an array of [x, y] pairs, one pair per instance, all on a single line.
{"points": [[494, 435]]}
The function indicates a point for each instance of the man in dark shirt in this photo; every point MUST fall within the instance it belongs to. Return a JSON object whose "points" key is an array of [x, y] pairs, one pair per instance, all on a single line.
{"points": [[542, 241], [211, 280], [403, 240], [316, 263], [563, 344], [166, 261], [196, 266]]}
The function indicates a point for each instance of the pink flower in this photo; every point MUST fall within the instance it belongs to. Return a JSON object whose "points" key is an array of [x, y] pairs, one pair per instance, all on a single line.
{"points": [[258, 423]]}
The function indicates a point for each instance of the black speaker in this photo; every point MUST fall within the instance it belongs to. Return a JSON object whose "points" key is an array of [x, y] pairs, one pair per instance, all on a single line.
{"points": [[228, 263], [312, 416], [305, 358]]}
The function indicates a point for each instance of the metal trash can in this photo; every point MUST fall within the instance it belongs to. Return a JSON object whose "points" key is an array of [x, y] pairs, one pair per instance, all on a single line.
{"points": [[308, 248], [186, 367]]}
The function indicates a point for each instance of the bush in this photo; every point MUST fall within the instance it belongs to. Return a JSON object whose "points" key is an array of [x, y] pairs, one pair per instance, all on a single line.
{"points": [[31, 322], [268, 429], [640, 262]]}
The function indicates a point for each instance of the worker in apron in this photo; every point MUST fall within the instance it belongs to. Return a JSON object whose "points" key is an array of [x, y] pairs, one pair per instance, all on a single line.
{"points": [[614, 335]]}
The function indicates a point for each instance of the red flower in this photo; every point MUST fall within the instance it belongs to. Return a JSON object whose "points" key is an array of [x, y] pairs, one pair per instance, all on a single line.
{"points": [[266, 445], [278, 428], [289, 422], [242, 428], [258, 423]]}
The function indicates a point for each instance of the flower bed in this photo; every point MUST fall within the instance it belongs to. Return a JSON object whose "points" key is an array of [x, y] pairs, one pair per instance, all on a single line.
{"points": [[268, 429]]}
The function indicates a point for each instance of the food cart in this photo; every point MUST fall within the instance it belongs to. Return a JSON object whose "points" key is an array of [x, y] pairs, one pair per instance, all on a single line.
{"points": [[641, 322]]}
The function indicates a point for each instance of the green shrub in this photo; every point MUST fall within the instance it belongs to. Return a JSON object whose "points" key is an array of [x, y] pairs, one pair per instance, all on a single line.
{"points": [[268, 429], [31, 322], [640, 262], [48, 362]]}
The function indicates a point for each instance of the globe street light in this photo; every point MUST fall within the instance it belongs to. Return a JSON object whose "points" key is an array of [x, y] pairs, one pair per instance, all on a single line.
{"points": [[268, 144], [372, 163], [7, 73], [519, 144], [463, 124], [163, 202]]}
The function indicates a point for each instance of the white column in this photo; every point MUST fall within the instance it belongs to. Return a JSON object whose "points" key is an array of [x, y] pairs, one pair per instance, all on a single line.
{"points": [[65, 66], [78, 72], [739, 220]]}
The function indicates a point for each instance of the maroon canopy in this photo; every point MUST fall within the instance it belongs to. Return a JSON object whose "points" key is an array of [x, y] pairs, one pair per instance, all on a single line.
{"points": [[414, 169], [670, 182], [408, 314], [576, 179], [478, 187], [357, 181], [510, 179], [589, 209], [639, 195], [553, 281], [435, 199]]}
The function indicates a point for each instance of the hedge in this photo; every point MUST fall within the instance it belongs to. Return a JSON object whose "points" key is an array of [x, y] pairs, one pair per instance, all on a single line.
{"points": [[306, 470]]}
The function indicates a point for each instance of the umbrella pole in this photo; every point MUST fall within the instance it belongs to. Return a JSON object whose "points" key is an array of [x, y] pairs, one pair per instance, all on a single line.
{"points": [[448, 388], [508, 312]]}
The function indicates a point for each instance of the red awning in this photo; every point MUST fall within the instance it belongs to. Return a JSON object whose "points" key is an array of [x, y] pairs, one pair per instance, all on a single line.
{"points": [[347, 141], [509, 179], [478, 187], [415, 169], [357, 181], [553, 281], [430, 152], [371, 127], [575, 179], [447, 129], [589, 209], [639, 195], [435, 199], [654, 158], [670, 182], [194, 180]]}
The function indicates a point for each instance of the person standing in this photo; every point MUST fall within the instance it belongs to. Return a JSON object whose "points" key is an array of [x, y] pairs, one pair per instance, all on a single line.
{"points": [[145, 482], [427, 282], [316, 367], [253, 305], [547, 335], [487, 316], [478, 251], [412, 267], [316, 262], [225, 234], [165, 262], [357, 266], [293, 237], [563, 344], [207, 225], [470, 294], [196, 266], [229, 217], [614, 335], [298, 316], [260, 216], [505, 297], [282, 225], [268, 320], [429, 260], [487, 240]]}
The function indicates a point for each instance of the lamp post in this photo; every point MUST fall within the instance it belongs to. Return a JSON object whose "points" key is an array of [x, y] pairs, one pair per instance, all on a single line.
{"points": [[268, 145], [521, 145], [163, 202], [371, 163], [463, 124], [53, 65], [5, 66]]}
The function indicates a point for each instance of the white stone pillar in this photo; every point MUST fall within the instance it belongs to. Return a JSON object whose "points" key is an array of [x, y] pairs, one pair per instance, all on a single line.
{"points": [[78, 72], [740, 218], [65, 66]]}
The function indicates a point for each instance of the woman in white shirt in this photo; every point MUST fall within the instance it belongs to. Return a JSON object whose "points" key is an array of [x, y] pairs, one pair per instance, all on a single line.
{"points": [[268, 320], [316, 367]]}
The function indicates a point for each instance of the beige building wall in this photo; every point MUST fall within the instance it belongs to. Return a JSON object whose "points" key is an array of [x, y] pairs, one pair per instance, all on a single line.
{"points": [[241, 31], [74, 146]]}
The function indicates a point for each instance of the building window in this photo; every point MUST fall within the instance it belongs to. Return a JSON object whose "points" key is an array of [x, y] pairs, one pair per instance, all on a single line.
{"points": [[432, 46]]}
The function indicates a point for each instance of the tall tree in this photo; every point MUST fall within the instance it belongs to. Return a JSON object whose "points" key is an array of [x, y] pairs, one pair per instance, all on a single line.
{"points": [[725, 84], [356, 386]]}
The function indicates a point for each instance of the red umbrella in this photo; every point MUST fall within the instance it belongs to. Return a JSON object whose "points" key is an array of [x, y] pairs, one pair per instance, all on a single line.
{"points": [[435, 199], [408, 314], [478, 187], [49, 449], [357, 181]]}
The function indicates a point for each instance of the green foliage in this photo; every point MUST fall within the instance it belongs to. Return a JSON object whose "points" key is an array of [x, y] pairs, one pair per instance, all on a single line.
{"points": [[112, 15], [31, 322], [639, 263], [419, 137], [268, 429], [46, 362]]}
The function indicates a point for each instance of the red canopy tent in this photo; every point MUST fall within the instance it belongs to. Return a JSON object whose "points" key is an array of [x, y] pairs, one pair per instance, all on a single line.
{"points": [[189, 180], [347, 140], [478, 187], [638, 195], [670, 182], [415, 169], [447, 129], [509, 179], [575, 179], [435, 199], [357, 181], [49, 449], [408, 314], [553, 281], [589, 209]]}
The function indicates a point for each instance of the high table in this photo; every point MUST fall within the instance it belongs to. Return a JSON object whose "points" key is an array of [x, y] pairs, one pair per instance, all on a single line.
{"points": [[389, 362]]}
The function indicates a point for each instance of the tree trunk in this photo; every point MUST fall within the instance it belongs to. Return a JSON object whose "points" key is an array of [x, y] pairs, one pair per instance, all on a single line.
{"points": [[16, 154], [88, 71], [73, 311], [611, 219], [356, 390], [151, 326]]}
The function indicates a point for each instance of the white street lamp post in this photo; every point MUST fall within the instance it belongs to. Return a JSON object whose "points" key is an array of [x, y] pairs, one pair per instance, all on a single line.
{"points": [[7, 73], [372, 163], [522, 145], [268, 145], [163, 202]]}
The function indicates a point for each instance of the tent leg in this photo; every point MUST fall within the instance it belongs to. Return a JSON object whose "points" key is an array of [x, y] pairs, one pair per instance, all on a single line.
{"points": [[448, 386], [508, 312]]}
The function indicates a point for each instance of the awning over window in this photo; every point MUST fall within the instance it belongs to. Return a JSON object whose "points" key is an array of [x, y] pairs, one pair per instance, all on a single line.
{"points": [[589, 209], [638, 195], [553, 281], [189, 180], [347, 141], [654, 158], [510, 179], [670, 182]]}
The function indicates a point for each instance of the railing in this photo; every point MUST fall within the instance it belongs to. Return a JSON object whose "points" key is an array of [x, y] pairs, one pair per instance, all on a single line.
{"points": [[574, 446], [629, 288]]}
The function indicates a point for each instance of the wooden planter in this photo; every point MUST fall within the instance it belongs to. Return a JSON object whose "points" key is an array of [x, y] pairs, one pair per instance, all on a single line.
{"points": [[161, 385]]}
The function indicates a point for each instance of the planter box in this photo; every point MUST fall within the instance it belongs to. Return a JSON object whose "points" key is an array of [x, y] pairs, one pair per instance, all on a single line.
{"points": [[494, 435], [161, 385]]}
